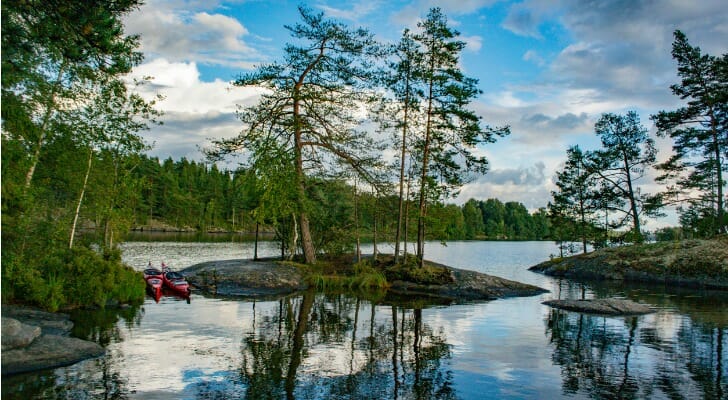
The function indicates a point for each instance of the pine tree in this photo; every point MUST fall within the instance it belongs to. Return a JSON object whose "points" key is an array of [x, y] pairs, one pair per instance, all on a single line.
{"points": [[451, 129], [627, 151], [309, 116], [700, 134]]}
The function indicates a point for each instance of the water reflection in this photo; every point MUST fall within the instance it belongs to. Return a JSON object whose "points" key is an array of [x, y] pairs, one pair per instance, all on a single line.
{"points": [[635, 357], [339, 347]]}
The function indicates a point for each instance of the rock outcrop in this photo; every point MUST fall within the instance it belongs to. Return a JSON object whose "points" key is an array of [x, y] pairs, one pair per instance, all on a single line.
{"points": [[245, 278], [689, 263], [34, 340], [468, 286], [601, 306], [265, 278]]}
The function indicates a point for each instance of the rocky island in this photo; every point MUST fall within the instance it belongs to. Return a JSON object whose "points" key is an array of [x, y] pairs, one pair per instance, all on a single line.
{"points": [[688, 263]]}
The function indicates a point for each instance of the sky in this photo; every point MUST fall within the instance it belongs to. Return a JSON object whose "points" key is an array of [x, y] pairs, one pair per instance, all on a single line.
{"points": [[547, 68]]}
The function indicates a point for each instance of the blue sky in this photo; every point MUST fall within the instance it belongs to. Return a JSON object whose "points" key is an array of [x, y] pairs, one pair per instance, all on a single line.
{"points": [[548, 69]]}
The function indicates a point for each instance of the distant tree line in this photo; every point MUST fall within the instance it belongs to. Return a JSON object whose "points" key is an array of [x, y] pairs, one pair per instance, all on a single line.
{"points": [[199, 196]]}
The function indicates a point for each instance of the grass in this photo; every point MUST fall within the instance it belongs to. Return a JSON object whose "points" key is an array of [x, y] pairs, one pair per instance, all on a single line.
{"points": [[343, 273]]}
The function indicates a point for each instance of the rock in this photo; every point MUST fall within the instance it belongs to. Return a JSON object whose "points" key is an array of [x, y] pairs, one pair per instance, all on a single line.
{"points": [[601, 306], [48, 351], [245, 278], [468, 286], [17, 334], [33, 339], [49, 323]]}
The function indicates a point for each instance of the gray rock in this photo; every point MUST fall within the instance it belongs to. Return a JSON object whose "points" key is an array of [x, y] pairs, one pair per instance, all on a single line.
{"points": [[245, 278], [467, 286], [16, 334], [48, 351], [601, 306], [49, 323]]}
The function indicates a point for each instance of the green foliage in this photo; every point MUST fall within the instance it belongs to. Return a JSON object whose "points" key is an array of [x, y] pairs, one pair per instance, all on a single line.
{"points": [[70, 279], [410, 270]]}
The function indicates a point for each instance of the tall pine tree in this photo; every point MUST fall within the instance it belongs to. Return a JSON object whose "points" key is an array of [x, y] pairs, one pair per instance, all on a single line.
{"points": [[700, 134]]}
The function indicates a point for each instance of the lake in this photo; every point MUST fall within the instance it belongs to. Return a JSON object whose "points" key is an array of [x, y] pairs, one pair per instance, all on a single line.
{"points": [[339, 346]]}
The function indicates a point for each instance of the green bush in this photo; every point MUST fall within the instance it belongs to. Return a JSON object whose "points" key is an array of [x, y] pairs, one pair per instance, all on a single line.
{"points": [[71, 278]]}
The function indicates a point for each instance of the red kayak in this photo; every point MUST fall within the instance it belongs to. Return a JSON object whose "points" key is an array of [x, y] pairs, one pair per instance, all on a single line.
{"points": [[154, 279], [176, 283]]}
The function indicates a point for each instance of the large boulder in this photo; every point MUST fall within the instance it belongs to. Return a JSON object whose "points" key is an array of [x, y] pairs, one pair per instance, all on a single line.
{"points": [[33, 339], [246, 278], [467, 286], [48, 351], [17, 334]]}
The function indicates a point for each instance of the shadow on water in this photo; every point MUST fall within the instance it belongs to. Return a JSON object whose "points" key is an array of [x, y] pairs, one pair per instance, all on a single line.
{"points": [[286, 355]]}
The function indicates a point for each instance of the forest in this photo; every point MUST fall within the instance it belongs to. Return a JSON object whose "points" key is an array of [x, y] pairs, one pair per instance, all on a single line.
{"points": [[76, 177], [198, 196]]}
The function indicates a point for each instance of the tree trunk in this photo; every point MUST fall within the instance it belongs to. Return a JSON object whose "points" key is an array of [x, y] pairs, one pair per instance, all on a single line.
{"points": [[50, 106], [401, 172], [255, 250], [633, 203], [80, 199], [376, 211], [356, 224], [423, 180], [719, 171]]}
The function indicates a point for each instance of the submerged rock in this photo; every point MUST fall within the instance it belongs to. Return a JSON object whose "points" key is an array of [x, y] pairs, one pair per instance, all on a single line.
{"points": [[246, 278], [34, 340], [601, 306]]}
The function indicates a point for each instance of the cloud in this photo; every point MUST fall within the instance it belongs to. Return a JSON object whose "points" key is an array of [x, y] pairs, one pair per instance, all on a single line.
{"points": [[472, 43], [189, 35], [521, 21], [409, 15], [356, 11], [532, 55], [533, 175], [194, 111]]}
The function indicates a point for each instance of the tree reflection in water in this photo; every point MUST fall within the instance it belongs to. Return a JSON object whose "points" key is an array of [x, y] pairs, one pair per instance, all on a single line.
{"points": [[598, 357], [337, 346]]}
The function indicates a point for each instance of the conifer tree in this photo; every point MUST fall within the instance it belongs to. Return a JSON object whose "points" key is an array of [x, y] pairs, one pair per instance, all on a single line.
{"points": [[700, 133], [451, 130], [311, 111]]}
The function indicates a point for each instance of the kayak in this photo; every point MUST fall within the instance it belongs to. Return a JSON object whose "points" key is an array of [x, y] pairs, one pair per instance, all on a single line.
{"points": [[176, 282], [152, 273], [154, 286]]}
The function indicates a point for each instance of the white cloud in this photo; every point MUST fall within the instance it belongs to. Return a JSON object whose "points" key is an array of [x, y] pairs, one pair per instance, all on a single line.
{"points": [[472, 43], [192, 36], [195, 111]]}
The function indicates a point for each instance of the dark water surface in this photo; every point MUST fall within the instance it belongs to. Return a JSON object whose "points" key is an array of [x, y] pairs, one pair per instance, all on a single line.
{"points": [[323, 346]]}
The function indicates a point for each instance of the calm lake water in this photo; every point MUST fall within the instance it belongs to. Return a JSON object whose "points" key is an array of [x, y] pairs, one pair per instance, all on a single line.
{"points": [[336, 346]]}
